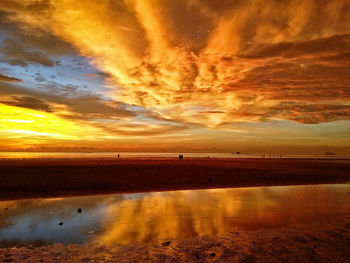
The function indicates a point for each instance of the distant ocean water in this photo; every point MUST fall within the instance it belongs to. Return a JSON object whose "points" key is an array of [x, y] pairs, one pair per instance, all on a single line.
{"points": [[156, 155]]}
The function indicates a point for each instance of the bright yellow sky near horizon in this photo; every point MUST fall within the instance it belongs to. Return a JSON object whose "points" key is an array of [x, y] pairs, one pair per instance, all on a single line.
{"points": [[254, 76]]}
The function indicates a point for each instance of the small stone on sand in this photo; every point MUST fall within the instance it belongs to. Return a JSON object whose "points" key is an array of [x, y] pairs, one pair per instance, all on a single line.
{"points": [[165, 244], [79, 210], [60, 223], [213, 254]]}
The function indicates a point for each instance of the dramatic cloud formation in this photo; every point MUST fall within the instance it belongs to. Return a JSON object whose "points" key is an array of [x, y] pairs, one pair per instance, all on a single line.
{"points": [[192, 64]]}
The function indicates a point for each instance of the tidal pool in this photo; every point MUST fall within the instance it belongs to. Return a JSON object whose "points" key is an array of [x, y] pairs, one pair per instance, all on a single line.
{"points": [[156, 216]]}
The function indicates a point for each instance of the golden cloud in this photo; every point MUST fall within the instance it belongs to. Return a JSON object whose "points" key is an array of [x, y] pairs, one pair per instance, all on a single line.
{"points": [[187, 61]]}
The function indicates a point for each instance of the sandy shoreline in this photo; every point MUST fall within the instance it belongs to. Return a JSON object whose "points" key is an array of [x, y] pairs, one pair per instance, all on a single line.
{"points": [[322, 241], [28, 178]]}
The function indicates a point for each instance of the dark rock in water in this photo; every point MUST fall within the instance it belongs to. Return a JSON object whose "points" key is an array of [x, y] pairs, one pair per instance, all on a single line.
{"points": [[209, 180], [79, 210], [6, 208], [60, 223], [213, 254], [181, 156], [329, 153], [165, 244]]}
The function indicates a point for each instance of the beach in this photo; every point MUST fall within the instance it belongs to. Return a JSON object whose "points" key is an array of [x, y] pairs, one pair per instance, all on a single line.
{"points": [[322, 239], [55, 177]]}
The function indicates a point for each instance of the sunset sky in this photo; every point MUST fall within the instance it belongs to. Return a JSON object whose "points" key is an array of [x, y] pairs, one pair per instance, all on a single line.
{"points": [[257, 76]]}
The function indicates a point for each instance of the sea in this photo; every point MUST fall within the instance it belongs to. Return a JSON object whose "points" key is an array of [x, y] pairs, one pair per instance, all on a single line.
{"points": [[146, 155]]}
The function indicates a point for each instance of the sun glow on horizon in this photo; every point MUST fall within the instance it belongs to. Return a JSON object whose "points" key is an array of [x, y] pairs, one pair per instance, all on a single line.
{"points": [[17, 122]]}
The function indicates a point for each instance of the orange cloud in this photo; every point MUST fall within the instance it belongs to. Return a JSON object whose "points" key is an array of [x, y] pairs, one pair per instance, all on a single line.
{"points": [[204, 63], [9, 79], [162, 61]]}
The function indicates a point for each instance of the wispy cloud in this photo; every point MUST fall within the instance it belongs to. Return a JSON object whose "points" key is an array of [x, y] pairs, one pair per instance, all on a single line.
{"points": [[9, 79]]}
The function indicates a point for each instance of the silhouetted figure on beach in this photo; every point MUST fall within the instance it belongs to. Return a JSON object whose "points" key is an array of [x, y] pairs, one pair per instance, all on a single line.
{"points": [[118, 155], [181, 156]]}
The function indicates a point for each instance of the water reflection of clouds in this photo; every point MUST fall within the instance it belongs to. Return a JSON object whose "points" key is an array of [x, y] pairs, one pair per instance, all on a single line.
{"points": [[182, 214], [38, 219], [150, 217]]}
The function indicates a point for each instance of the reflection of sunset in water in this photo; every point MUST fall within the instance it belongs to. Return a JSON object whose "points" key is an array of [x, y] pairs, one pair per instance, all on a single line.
{"points": [[154, 217], [181, 214]]}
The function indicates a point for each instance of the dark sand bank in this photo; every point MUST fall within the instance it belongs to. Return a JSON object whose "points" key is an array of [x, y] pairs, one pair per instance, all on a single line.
{"points": [[323, 241], [65, 177]]}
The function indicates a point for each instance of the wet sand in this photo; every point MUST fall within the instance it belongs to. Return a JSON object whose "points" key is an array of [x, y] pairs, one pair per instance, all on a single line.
{"points": [[322, 241], [29, 178]]}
